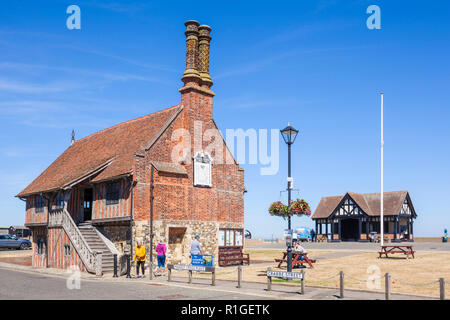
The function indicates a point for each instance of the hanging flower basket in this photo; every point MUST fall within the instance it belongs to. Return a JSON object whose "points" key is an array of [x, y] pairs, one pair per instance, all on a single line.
{"points": [[278, 209], [299, 207]]}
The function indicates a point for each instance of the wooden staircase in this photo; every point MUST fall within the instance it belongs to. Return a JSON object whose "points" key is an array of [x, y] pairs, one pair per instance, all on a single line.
{"points": [[90, 234]]}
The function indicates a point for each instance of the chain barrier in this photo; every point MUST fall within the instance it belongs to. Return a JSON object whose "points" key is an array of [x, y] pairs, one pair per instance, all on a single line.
{"points": [[220, 273], [415, 284], [355, 279], [323, 279]]}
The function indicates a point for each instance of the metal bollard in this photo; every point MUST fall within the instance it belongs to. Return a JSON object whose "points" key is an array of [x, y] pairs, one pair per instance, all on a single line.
{"points": [[303, 282], [387, 286], [269, 280], [213, 277], [442, 288], [128, 265], [150, 270], [190, 276], [169, 274], [341, 281], [115, 266], [239, 276]]}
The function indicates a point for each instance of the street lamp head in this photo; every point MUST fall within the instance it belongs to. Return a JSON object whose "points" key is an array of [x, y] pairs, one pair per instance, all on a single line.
{"points": [[289, 134]]}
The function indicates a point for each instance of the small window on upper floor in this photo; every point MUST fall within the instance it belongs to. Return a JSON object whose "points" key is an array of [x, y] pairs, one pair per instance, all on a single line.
{"points": [[59, 201], [39, 204], [112, 193]]}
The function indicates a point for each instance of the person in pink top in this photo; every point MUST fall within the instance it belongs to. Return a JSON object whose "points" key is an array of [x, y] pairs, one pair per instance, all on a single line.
{"points": [[161, 254]]}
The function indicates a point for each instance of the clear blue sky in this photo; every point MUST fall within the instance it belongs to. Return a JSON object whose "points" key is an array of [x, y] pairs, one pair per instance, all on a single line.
{"points": [[313, 63]]}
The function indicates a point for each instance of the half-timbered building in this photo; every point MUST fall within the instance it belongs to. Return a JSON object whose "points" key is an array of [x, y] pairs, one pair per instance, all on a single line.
{"points": [[111, 188], [356, 216]]}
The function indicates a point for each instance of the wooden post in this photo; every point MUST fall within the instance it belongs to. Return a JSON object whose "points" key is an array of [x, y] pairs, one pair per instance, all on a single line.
{"points": [[213, 277], [367, 229], [387, 286], [269, 280], [341, 282], [359, 228], [339, 229], [239, 276], [169, 274], [190, 276], [303, 282], [442, 288]]}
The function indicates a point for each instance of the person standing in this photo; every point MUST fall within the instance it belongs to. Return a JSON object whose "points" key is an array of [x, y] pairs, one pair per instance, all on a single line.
{"points": [[196, 247], [140, 258], [313, 235], [161, 255]]}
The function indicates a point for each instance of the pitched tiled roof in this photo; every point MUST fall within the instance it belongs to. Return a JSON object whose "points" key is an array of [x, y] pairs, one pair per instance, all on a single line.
{"points": [[368, 202], [110, 152]]}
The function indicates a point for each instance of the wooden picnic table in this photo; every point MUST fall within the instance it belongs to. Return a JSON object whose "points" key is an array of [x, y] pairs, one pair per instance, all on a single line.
{"points": [[405, 249], [296, 259]]}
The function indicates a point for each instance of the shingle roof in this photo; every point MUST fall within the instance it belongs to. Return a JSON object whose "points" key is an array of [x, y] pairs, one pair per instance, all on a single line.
{"points": [[112, 148], [368, 202]]}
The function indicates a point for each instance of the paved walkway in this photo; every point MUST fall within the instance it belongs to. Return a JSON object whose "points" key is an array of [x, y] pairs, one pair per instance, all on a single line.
{"points": [[52, 284]]}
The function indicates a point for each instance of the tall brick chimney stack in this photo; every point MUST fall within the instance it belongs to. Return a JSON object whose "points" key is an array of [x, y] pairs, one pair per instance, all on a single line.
{"points": [[196, 95], [191, 76], [203, 55]]}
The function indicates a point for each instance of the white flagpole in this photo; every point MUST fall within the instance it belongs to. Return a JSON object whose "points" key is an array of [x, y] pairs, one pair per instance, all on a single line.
{"points": [[381, 191]]}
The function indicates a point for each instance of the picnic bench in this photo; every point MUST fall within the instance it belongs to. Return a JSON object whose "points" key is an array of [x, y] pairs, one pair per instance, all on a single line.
{"points": [[228, 255], [296, 259], [405, 249]]}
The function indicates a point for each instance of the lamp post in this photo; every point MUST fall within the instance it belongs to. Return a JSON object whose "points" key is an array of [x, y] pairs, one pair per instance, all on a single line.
{"points": [[289, 134]]}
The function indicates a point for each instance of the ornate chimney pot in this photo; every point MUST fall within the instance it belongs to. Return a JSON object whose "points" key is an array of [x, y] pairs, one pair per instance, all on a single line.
{"points": [[191, 74], [203, 55]]}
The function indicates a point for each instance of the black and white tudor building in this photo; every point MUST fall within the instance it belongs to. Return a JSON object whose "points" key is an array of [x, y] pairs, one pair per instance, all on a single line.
{"points": [[354, 216]]}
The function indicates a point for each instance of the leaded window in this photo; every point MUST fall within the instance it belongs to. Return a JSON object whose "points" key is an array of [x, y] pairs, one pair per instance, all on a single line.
{"points": [[59, 201], [112, 193], [39, 204]]}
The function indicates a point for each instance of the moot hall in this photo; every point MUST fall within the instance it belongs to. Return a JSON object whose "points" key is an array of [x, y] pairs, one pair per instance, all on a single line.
{"points": [[98, 195]]}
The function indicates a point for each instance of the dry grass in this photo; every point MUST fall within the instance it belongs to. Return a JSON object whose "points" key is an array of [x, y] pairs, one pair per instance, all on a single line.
{"points": [[425, 268]]}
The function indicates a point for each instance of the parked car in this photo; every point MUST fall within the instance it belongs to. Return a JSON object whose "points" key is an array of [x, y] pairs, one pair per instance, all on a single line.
{"points": [[303, 234], [12, 242]]}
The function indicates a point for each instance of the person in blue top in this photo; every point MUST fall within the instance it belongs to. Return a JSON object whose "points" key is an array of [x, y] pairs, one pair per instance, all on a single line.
{"points": [[313, 235], [196, 247]]}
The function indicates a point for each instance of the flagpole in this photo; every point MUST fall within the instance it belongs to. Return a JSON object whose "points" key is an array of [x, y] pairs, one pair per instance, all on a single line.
{"points": [[381, 191]]}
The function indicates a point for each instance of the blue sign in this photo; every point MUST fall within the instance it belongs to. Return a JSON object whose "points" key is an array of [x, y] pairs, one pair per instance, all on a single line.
{"points": [[205, 260]]}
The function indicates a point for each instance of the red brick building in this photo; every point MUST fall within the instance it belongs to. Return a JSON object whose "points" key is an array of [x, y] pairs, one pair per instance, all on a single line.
{"points": [[96, 195]]}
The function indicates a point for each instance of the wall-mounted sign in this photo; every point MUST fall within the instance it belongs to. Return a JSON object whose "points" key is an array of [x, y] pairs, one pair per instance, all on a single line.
{"points": [[202, 169]]}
